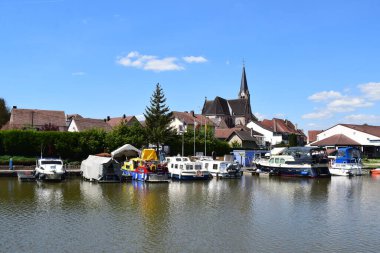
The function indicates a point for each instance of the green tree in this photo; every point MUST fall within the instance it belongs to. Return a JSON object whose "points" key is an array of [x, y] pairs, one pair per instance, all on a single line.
{"points": [[158, 118], [293, 140], [4, 112]]}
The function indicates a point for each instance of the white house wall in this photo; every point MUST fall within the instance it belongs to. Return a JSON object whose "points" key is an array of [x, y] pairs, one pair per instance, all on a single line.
{"points": [[268, 135], [73, 127], [360, 137]]}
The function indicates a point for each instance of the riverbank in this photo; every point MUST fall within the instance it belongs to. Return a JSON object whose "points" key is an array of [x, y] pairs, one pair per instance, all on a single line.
{"points": [[6, 172]]}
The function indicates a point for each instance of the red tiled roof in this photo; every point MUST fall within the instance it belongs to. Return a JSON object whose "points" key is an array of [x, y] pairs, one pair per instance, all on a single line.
{"points": [[87, 123], [280, 126], [21, 118], [313, 135], [373, 130], [336, 140], [189, 119], [118, 120]]}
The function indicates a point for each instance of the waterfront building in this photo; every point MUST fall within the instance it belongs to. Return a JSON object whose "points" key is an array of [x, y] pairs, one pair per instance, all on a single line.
{"points": [[365, 137]]}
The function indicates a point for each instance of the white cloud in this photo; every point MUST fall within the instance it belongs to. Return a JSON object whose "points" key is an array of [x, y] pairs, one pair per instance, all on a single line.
{"points": [[347, 104], [194, 59], [79, 73], [140, 117], [371, 90], [363, 118], [149, 62], [325, 95], [259, 116], [323, 114]]}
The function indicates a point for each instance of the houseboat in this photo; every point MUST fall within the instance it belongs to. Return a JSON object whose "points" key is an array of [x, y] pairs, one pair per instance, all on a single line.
{"points": [[49, 169], [182, 168], [222, 169], [308, 162], [347, 162]]}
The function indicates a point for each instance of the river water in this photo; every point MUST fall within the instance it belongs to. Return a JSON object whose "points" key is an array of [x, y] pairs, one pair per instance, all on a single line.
{"points": [[248, 215]]}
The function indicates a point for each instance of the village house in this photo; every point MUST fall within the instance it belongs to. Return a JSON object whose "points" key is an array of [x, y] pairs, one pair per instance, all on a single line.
{"points": [[127, 120], [36, 119], [228, 113], [184, 121], [365, 137], [241, 137], [276, 131], [79, 124]]}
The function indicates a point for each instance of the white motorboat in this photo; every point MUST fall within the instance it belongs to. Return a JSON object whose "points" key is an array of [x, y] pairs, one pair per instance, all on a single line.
{"points": [[49, 169], [183, 169], [222, 169], [347, 162]]}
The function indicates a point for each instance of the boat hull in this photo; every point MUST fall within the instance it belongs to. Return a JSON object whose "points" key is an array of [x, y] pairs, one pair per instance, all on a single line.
{"points": [[50, 176], [375, 172], [183, 176], [236, 174], [346, 169], [299, 171]]}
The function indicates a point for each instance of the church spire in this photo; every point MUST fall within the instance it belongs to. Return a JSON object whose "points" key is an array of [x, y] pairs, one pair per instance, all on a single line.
{"points": [[244, 92]]}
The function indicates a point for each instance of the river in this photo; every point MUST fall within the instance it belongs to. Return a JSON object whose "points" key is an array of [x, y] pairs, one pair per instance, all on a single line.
{"points": [[248, 215]]}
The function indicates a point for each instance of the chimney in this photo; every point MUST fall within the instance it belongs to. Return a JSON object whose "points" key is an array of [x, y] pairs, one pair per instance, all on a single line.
{"points": [[124, 116], [15, 107], [274, 125], [192, 113], [108, 118], [296, 127]]}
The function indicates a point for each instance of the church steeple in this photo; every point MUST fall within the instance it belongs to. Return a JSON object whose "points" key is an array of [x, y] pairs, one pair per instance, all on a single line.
{"points": [[244, 92]]}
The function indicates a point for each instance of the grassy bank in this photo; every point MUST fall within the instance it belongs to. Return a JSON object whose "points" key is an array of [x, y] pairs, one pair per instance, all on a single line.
{"points": [[371, 163], [17, 160]]}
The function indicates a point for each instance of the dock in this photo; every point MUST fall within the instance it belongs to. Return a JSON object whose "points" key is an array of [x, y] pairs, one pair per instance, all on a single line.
{"points": [[27, 170]]}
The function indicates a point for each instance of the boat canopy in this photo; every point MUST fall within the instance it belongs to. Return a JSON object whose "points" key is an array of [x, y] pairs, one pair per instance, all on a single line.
{"points": [[97, 168], [126, 150], [149, 154]]}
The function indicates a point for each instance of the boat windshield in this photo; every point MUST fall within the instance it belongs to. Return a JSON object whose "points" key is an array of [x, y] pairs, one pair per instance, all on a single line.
{"points": [[52, 162]]}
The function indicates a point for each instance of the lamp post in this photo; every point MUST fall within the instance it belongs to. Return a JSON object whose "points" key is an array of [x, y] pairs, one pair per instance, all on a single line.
{"points": [[183, 139], [195, 125]]}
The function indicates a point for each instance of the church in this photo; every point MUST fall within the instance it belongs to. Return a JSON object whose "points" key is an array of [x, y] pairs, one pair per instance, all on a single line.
{"points": [[229, 113]]}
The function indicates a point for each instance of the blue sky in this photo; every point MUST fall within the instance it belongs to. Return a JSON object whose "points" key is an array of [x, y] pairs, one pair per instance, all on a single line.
{"points": [[315, 63]]}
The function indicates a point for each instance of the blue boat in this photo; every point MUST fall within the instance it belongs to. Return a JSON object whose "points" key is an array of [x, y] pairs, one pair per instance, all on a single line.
{"points": [[347, 162]]}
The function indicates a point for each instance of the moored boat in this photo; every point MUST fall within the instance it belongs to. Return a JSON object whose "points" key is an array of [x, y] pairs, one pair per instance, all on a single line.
{"points": [[308, 162], [222, 169], [49, 169], [347, 162], [146, 168], [375, 171], [182, 168]]}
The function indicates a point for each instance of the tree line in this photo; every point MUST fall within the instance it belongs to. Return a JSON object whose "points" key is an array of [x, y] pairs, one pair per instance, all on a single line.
{"points": [[78, 145]]}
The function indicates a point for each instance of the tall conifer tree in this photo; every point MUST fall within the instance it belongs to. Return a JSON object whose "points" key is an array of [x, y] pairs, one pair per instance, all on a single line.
{"points": [[157, 118], [4, 112]]}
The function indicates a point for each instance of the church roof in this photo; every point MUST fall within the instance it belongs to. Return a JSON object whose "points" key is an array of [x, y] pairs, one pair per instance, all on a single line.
{"points": [[243, 84], [238, 106], [218, 106]]}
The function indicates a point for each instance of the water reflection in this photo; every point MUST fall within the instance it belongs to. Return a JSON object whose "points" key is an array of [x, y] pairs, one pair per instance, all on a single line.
{"points": [[250, 214]]}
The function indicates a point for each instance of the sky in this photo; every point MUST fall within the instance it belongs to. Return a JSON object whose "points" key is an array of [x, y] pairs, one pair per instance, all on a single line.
{"points": [[315, 63]]}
